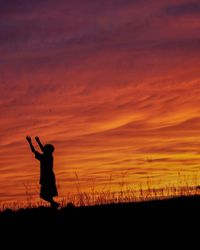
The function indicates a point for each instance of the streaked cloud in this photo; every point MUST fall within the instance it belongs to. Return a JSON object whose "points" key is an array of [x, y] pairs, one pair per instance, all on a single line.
{"points": [[114, 85]]}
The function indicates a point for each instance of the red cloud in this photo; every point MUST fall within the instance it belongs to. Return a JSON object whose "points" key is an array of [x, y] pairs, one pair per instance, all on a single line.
{"points": [[109, 85]]}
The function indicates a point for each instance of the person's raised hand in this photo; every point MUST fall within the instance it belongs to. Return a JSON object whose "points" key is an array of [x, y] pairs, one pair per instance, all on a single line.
{"points": [[28, 138], [37, 138]]}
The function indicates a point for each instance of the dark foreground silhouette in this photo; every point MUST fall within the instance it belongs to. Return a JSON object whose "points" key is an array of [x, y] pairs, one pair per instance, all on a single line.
{"points": [[140, 225], [180, 208]]}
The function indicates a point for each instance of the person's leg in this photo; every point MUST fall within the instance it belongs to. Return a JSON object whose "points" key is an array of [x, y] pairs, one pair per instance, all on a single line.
{"points": [[45, 198], [54, 204], [45, 195]]}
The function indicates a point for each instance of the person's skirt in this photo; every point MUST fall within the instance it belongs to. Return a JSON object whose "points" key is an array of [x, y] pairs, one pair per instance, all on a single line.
{"points": [[48, 190]]}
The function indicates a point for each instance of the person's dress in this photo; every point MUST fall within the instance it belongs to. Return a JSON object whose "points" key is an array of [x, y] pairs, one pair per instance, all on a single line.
{"points": [[47, 176]]}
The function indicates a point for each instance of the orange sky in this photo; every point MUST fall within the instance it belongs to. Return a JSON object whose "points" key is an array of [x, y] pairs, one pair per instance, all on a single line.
{"points": [[114, 86]]}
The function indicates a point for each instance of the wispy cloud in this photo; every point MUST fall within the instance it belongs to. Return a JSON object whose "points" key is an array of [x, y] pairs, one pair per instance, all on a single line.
{"points": [[110, 83]]}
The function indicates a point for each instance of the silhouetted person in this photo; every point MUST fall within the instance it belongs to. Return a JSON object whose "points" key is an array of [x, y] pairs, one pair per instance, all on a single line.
{"points": [[47, 177]]}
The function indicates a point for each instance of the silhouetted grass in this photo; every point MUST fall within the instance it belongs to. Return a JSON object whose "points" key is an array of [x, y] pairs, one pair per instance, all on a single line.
{"points": [[127, 195], [130, 222]]}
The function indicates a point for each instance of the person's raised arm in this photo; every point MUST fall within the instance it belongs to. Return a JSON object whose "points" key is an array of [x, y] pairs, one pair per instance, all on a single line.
{"points": [[39, 143], [28, 138]]}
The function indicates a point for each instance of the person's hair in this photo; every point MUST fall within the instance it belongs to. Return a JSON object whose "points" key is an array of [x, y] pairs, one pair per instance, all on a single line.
{"points": [[49, 148]]}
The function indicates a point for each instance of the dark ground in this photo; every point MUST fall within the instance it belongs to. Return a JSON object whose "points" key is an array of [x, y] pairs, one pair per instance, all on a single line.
{"points": [[169, 220]]}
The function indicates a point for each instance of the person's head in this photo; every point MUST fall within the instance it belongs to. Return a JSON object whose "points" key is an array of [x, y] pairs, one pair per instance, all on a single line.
{"points": [[49, 149]]}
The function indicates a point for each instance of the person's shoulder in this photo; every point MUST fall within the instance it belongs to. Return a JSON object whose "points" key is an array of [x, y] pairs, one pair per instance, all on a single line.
{"points": [[38, 155]]}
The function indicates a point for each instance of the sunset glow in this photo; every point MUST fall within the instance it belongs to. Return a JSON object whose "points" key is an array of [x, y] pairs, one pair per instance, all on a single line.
{"points": [[114, 85]]}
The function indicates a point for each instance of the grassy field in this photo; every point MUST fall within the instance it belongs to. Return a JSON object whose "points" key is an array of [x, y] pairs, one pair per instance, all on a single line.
{"points": [[140, 212], [125, 195], [186, 206], [143, 223]]}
